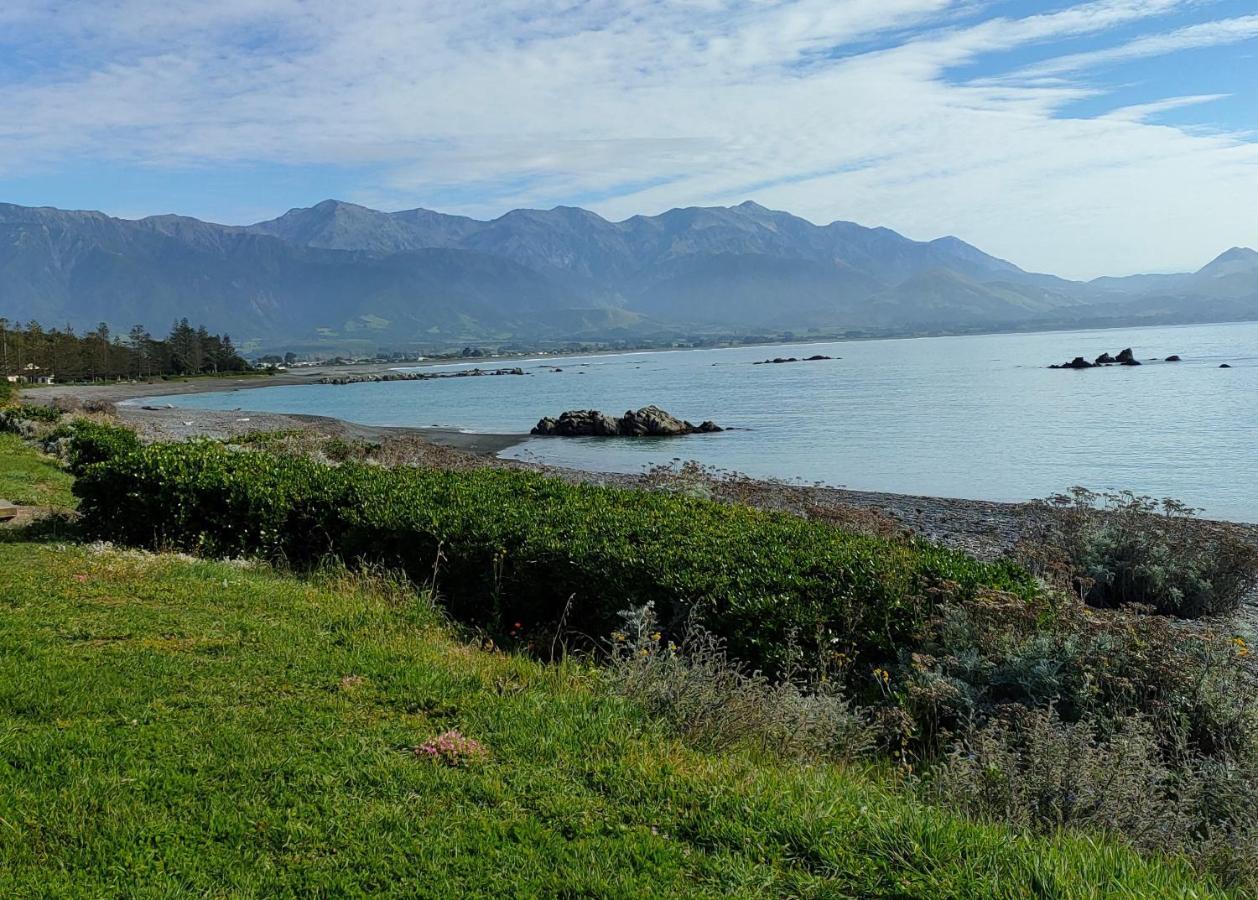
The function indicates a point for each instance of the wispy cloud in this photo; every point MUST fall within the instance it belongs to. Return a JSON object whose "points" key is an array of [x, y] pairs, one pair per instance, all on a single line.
{"points": [[831, 109], [1193, 37]]}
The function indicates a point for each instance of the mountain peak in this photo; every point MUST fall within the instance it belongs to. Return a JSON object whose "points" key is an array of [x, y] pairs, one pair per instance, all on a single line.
{"points": [[1237, 261], [1237, 253]]}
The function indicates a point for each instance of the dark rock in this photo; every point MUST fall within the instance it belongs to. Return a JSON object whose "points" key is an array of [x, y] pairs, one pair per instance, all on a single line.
{"points": [[578, 423], [1104, 360], [649, 421], [1131, 362], [1225, 366], [1077, 363], [654, 422], [790, 359], [1173, 358], [1126, 356]]}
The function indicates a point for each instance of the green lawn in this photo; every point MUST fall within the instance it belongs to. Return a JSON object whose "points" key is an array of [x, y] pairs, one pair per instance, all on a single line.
{"points": [[30, 478], [176, 727]]}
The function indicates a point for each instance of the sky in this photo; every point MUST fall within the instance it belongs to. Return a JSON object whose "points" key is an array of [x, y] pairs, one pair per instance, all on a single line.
{"points": [[1079, 138]]}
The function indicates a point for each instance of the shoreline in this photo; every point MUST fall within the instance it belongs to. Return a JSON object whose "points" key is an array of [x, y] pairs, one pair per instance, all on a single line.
{"points": [[984, 528], [183, 423]]}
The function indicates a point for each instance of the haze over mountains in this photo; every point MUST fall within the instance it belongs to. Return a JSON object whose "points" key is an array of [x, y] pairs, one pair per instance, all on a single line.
{"points": [[338, 274]]}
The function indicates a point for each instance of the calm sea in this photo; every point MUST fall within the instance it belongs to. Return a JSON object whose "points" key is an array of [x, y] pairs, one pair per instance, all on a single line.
{"points": [[977, 417]]}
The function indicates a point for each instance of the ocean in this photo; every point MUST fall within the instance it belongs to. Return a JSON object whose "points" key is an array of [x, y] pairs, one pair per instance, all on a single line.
{"points": [[970, 416]]}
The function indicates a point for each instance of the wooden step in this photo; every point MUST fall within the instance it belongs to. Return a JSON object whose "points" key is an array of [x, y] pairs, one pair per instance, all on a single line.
{"points": [[7, 511]]}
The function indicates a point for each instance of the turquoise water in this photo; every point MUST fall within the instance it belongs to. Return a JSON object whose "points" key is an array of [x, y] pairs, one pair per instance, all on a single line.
{"points": [[975, 416]]}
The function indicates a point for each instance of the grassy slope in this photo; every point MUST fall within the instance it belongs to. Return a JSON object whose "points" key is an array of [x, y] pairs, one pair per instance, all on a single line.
{"points": [[170, 726], [187, 726], [30, 478]]}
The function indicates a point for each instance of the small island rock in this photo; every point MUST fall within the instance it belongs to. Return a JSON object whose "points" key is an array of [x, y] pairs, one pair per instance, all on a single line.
{"points": [[649, 421]]}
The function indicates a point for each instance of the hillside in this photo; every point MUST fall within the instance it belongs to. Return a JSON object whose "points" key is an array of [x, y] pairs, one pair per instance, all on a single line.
{"points": [[341, 274]]}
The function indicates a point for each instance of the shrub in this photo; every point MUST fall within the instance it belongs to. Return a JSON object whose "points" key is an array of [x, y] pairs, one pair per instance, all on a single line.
{"points": [[516, 546], [1118, 549], [984, 654], [1030, 769], [86, 442], [713, 703], [12, 418]]}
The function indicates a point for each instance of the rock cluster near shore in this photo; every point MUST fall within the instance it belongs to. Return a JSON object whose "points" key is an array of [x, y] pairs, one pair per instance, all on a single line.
{"points": [[414, 376], [786, 359], [649, 421], [1125, 358]]}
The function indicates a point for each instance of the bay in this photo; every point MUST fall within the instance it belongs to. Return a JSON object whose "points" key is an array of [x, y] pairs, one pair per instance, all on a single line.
{"points": [[970, 416]]}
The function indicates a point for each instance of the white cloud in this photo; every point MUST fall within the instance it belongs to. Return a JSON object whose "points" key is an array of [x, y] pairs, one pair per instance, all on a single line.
{"points": [[1208, 34], [828, 108]]}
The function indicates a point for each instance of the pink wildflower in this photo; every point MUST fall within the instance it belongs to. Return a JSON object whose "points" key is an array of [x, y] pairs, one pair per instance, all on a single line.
{"points": [[452, 749]]}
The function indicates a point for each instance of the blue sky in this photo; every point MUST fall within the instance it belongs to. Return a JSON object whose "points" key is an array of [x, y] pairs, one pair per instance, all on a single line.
{"points": [[1101, 137]]}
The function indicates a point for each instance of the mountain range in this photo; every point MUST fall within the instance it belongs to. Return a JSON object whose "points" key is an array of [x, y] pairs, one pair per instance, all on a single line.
{"points": [[337, 274]]}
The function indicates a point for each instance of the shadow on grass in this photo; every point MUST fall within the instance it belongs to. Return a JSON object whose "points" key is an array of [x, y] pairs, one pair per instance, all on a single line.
{"points": [[55, 526]]}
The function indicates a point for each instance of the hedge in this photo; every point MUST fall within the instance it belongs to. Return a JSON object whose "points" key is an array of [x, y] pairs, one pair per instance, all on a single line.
{"points": [[515, 547]]}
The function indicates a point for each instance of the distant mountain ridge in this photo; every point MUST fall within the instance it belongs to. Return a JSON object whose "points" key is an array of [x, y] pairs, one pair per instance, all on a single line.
{"points": [[338, 272]]}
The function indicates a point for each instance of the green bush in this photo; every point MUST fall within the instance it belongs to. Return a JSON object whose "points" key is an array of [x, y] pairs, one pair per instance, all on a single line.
{"points": [[510, 546], [1031, 769], [1118, 549], [985, 654], [87, 442], [11, 417]]}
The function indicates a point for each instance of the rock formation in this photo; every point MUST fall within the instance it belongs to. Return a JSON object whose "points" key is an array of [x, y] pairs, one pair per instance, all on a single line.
{"points": [[649, 421]]}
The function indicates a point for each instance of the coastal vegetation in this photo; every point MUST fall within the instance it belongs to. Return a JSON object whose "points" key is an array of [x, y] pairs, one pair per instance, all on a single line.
{"points": [[663, 689], [513, 546]]}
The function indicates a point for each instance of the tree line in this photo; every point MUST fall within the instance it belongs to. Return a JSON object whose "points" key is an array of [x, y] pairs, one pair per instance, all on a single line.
{"points": [[32, 351]]}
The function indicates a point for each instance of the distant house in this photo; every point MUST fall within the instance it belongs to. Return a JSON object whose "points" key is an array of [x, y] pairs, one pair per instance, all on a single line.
{"points": [[30, 375]]}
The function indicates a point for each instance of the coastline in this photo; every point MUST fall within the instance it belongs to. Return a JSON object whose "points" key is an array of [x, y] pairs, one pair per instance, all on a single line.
{"points": [[984, 528], [182, 423], [987, 529]]}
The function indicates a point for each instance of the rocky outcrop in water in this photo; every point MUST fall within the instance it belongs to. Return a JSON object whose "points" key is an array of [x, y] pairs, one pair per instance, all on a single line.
{"points": [[786, 359], [649, 421], [413, 376], [1125, 358]]}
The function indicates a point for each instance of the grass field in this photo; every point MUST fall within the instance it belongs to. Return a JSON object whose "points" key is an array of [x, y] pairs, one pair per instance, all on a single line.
{"points": [[176, 727], [29, 478]]}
